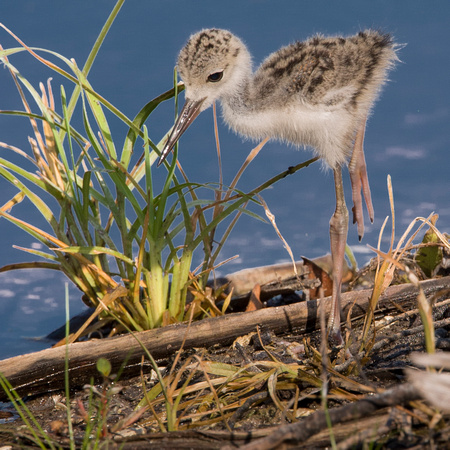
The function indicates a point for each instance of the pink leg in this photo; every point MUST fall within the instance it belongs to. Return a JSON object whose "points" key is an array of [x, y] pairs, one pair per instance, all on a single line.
{"points": [[338, 240], [358, 177]]}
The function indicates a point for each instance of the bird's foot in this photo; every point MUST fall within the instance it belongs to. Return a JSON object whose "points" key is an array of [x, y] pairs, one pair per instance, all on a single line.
{"points": [[335, 338], [360, 183]]}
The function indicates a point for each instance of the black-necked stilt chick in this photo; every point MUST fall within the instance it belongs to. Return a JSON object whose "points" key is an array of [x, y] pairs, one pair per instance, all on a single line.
{"points": [[316, 93]]}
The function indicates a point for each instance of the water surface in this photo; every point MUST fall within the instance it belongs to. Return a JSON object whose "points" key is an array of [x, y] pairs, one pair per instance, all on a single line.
{"points": [[407, 136]]}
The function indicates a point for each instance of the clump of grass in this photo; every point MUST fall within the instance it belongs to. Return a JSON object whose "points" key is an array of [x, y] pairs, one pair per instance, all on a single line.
{"points": [[127, 245]]}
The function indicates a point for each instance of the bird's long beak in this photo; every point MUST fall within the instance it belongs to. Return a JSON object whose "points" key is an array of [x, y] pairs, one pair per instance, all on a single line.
{"points": [[190, 111]]}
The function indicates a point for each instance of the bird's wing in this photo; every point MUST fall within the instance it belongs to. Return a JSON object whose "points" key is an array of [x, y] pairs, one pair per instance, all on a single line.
{"points": [[303, 69]]}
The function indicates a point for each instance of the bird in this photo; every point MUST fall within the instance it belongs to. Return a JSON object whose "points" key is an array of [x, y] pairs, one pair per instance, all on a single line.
{"points": [[313, 94]]}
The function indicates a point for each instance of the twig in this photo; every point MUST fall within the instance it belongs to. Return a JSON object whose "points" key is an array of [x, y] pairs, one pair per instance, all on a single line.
{"points": [[300, 431], [359, 438], [256, 398]]}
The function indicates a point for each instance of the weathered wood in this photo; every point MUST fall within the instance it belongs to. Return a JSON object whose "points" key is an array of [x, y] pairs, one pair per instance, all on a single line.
{"points": [[299, 432], [43, 371], [243, 281]]}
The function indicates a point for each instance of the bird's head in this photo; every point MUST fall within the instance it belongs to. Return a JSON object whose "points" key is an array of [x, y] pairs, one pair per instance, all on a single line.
{"points": [[213, 64]]}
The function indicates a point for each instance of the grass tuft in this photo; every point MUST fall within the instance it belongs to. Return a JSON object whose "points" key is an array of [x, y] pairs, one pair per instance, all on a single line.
{"points": [[125, 242]]}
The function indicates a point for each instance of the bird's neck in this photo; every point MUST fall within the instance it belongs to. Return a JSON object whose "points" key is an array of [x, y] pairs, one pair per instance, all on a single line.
{"points": [[238, 86], [236, 103], [244, 110]]}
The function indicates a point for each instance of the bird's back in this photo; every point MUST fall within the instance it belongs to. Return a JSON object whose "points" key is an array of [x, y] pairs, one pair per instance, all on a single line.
{"points": [[333, 72]]}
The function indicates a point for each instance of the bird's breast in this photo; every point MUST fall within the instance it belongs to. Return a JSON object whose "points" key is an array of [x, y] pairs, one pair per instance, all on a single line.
{"points": [[302, 125]]}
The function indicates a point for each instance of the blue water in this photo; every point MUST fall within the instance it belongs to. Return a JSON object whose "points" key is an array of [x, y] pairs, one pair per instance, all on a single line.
{"points": [[407, 137]]}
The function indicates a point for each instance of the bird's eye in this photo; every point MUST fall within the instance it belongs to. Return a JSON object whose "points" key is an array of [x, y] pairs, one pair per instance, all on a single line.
{"points": [[215, 77]]}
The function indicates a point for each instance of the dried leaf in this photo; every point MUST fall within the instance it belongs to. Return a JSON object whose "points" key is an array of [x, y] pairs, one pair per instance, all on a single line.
{"points": [[320, 270], [255, 302]]}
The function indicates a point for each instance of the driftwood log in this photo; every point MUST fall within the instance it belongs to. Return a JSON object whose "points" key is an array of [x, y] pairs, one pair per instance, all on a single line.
{"points": [[299, 432], [43, 371]]}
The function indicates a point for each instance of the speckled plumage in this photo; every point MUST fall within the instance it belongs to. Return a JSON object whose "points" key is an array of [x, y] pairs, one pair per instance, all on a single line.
{"points": [[316, 93], [313, 93]]}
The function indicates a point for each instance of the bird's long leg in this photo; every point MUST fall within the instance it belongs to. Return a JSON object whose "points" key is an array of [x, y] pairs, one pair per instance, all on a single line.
{"points": [[358, 177], [338, 240]]}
